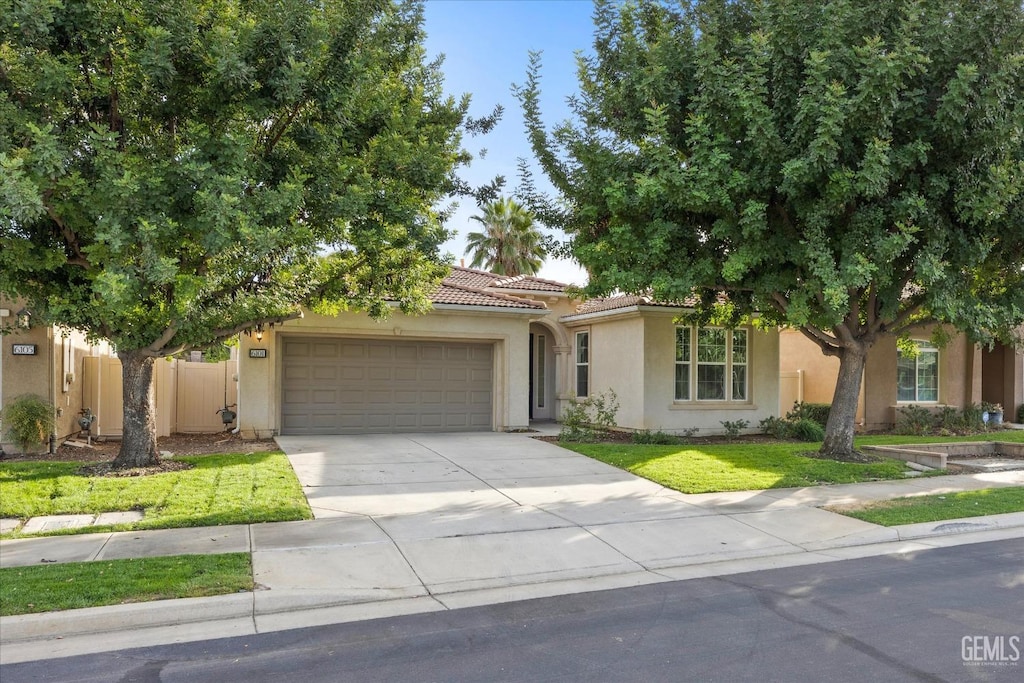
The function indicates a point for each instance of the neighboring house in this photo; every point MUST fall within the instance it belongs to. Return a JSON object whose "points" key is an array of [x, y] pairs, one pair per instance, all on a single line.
{"points": [[42, 360], [62, 367], [955, 374], [497, 352]]}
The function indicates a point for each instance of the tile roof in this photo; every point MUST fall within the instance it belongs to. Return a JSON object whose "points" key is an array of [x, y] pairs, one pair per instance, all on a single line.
{"points": [[456, 294], [612, 303], [528, 282], [468, 277], [481, 279]]}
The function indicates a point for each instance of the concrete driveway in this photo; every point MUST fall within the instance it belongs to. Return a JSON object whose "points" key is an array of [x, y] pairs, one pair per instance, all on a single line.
{"points": [[452, 518]]}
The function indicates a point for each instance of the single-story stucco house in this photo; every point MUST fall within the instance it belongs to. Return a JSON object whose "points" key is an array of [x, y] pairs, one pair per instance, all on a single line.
{"points": [[497, 352], [955, 374]]}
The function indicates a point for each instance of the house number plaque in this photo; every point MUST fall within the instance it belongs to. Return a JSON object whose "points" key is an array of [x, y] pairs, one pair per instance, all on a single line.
{"points": [[23, 349], [257, 353]]}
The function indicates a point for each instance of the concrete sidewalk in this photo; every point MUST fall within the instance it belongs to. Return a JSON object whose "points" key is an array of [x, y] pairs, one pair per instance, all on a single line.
{"points": [[418, 523]]}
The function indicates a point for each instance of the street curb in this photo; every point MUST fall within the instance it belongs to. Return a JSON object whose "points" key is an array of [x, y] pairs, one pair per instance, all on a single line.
{"points": [[139, 615], [962, 525], [29, 628]]}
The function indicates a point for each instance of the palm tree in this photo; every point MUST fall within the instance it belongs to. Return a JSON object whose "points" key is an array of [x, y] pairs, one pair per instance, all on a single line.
{"points": [[509, 244]]}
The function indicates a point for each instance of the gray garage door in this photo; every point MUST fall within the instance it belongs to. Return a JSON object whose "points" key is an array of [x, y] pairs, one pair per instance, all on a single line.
{"points": [[353, 386]]}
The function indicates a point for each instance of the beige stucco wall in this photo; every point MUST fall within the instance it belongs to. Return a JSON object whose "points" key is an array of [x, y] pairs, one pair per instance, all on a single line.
{"points": [[959, 377], [662, 412], [633, 352], [259, 379], [617, 363], [820, 372], [54, 373]]}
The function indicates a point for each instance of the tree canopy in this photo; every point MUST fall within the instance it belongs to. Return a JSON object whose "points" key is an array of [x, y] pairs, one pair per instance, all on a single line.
{"points": [[175, 171], [849, 169], [510, 243]]}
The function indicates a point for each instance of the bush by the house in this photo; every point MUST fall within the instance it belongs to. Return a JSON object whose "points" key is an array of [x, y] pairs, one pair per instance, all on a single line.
{"points": [[775, 427], [914, 420], [655, 438], [806, 429], [734, 427], [1020, 414], [810, 411], [28, 421], [583, 419], [919, 421], [793, 427]]}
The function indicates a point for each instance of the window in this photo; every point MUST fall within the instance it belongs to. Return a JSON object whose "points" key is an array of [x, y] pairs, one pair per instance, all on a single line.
{"points": [[582, 364], [917, 377], [682, 364], [711, 363]]}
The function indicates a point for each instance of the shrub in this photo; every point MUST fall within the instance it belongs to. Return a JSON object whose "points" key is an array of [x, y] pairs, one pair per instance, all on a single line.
{"points": [[734, 427], [810, 411], [972, 417], [656, 437], [605, 407], [582, 419], [775, 427], [28, 421], [914, 420], [806, 429], [575, 422], [951, 420], [1020, 414]]}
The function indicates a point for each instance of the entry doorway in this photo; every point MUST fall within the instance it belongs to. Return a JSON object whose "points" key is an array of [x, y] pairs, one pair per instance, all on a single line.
{"points": [[542, 373]]}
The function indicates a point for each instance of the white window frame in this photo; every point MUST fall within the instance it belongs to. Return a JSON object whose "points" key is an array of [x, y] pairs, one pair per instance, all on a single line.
{"points": [[584, 363], [689, 392], [923, 347]]}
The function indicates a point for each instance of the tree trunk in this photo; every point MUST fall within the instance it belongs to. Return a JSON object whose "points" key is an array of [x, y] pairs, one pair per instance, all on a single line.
{"points": [[138, 436], [843, 415]]}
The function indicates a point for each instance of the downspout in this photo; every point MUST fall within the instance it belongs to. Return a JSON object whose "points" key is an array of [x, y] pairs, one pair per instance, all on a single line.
{"points": [[238, 389], [53, 388]]}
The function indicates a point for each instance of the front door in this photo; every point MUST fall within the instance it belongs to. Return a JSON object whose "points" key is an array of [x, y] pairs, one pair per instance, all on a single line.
{"points": [[542, 375]]}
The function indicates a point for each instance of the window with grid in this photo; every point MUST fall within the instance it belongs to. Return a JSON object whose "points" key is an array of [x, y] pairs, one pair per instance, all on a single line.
{"points": [[582, 364], [917, 377], [711, 364]]}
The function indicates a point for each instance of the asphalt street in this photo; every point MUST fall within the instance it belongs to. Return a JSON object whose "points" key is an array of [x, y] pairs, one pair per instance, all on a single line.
{"points": [[952, 614]]}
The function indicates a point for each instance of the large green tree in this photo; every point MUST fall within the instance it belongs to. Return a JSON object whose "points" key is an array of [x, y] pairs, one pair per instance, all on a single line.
{"points": [[846, 168], [175, 171], [509, 242]]}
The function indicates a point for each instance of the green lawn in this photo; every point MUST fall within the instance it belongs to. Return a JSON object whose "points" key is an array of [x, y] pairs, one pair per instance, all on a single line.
{"points": [[219, 489], [49, 587], [745, 466], [940, 507]]}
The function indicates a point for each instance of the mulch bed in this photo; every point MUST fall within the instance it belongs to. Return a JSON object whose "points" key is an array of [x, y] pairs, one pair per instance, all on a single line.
{"points": [[176, 444]]}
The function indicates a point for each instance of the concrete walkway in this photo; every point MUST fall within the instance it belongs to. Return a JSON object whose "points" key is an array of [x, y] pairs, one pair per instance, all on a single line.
{"points": [[422, 522]]}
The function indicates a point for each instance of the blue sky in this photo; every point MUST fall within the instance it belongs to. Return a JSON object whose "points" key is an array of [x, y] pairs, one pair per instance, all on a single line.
{"points": [[486, 44]]}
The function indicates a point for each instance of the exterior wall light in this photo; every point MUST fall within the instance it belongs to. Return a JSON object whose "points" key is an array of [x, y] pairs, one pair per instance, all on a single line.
{"points": [[24, 318]]}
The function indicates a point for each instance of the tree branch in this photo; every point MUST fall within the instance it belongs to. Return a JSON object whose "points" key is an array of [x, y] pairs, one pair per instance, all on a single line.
{"points": [[826, 343]]}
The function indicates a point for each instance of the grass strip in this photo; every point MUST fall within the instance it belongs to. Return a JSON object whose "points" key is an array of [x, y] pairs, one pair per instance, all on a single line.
{"points": [[735, 467], [219, 489], [72, 585], [754, 466], [939, 507]]}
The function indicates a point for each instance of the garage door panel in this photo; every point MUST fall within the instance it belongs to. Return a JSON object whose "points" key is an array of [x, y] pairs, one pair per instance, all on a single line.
{"points": [[325, 373], [325, 350], [406, 374], [378, 374], [338, 386]]}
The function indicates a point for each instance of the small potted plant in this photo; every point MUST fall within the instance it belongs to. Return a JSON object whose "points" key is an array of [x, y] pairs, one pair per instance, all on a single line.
{"points": [[27, 422], [995, 414]]}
